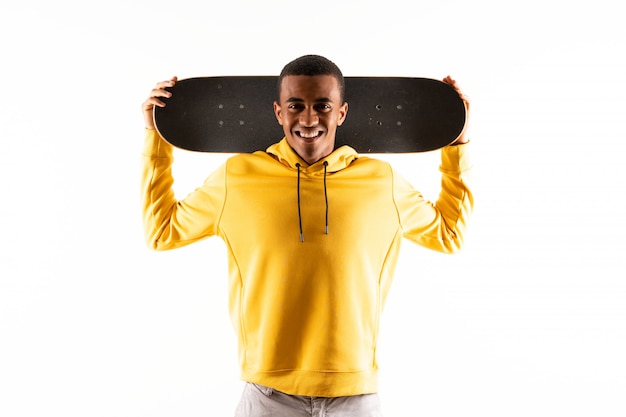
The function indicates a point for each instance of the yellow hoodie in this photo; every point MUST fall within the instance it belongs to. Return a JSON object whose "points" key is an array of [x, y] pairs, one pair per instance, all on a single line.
{"points": [[311, 249]]}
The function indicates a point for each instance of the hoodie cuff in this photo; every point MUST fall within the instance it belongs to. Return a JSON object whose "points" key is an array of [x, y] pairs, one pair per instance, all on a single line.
{"points": [[155, 146], [456, 158]]}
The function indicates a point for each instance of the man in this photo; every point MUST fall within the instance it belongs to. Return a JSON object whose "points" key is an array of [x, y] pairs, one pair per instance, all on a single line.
{"points": [[313, 234]]}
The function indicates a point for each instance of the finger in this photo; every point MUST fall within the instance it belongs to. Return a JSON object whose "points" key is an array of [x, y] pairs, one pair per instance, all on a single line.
{"points": [[160, 92], [452, 83], [168, 83], [152, 102], [160, 89]]}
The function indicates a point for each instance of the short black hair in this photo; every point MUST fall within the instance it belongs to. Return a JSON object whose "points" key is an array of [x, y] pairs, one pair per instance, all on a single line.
{"points": [[312, 65]]}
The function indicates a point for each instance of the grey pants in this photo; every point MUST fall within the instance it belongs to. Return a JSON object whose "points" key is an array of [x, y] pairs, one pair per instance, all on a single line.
{"points": [[260, 401]]}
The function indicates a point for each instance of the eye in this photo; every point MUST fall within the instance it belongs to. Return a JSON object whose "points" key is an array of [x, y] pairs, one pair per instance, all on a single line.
{"points": [[323, 107], [295, 107]]}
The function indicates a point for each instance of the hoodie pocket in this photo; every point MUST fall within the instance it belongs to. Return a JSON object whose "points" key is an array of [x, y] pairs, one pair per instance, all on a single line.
{"points": [[267, 391]]}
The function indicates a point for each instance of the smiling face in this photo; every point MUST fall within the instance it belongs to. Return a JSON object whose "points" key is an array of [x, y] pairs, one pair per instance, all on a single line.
{"points": [[310, 109]]}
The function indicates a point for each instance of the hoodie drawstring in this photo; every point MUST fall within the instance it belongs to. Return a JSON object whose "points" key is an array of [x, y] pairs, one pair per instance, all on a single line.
{"points": [[326, 195], [299, 203], [299, 212]]}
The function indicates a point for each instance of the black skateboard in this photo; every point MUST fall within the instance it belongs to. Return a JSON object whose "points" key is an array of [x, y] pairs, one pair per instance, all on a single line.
{"points": [[385, 114]]}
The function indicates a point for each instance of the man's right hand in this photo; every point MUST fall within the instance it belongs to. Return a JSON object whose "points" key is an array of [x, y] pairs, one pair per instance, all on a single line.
{"points": [[154, 100]]}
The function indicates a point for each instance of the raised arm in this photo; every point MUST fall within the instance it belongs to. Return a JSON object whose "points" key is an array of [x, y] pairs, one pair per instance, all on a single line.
{"points": [[169, 223], [441, 225]]}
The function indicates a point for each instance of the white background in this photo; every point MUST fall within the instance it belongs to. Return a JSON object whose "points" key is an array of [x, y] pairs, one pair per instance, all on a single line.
{"points": [[529, 320]]}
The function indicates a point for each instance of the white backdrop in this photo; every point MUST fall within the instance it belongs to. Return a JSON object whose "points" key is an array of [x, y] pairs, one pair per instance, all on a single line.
{"points": [[529, 320]]}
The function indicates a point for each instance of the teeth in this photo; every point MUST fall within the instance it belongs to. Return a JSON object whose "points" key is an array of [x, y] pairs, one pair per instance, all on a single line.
{"points": [[309, 135]]}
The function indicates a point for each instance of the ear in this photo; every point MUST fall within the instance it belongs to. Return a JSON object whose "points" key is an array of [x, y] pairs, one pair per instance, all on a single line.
{"points": [[278, 113], [343, 113]]}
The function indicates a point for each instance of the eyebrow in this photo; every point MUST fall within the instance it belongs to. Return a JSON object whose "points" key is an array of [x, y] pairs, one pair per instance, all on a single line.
{"points": [[319, 100]]}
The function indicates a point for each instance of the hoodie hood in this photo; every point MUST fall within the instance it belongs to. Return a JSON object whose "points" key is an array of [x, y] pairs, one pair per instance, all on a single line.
{"points": [[339, 159]]}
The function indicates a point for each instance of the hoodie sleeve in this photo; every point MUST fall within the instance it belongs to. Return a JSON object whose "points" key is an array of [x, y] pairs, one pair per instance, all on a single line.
{"points": [[169, 223], [441, 225]]}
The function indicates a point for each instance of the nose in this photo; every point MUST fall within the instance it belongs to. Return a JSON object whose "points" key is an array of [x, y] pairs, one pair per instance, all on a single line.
{"points": [[309, 117]]}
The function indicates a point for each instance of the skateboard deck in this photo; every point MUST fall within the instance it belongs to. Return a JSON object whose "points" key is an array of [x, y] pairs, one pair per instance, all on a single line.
{"points": [[385, 114]]}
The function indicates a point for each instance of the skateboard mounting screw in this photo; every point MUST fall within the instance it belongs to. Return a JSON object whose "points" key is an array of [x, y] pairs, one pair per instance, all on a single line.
{"points": [[241, 123], [241, 106], [378, 107], [220, 106], [221, 123], [399, 107]]}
